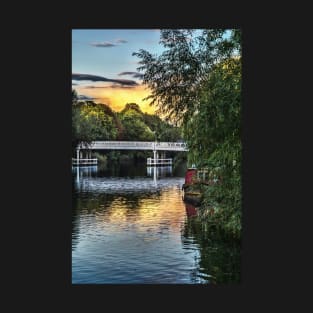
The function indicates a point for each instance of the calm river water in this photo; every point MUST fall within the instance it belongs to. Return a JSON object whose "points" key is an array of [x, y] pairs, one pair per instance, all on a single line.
{"points": [[130, 226]]}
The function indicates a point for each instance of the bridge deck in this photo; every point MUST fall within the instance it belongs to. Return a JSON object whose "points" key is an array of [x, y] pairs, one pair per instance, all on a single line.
{"points": [[137, 145]]}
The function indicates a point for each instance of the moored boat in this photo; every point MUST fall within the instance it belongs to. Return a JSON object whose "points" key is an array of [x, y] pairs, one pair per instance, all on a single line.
{"points": [[192, 193]]}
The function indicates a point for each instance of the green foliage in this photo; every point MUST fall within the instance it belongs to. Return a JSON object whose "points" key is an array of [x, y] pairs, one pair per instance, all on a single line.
{"points": [[196, 82], [217, 143], [74, 96], [81, 128], [133, 107], [217, 121], [91, 121], [170, 134], [133, 123], [102, 158], [95, 121], [179, 158], [220, 257], [175, 77], [163, 130], [146, 127]]}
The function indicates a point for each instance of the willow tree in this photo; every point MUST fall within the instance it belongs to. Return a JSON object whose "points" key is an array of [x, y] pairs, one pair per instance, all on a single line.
{"points": [[217, 121], [175, 77], [214, 138], [196, 82]]}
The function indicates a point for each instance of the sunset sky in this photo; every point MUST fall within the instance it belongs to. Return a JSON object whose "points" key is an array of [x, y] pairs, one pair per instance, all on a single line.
{"points": [[103, 68]]}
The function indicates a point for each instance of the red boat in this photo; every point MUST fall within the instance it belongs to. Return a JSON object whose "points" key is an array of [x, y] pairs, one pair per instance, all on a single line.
{"points": [[191, 195], [190, 176], [191, 210]]}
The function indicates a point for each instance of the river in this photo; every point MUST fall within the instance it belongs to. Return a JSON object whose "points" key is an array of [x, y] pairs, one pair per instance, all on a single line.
{"points": [[131, 226]]}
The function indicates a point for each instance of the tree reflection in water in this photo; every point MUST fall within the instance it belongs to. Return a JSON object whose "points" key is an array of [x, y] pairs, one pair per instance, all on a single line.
{"points": [[219, 259], [109, 210]]}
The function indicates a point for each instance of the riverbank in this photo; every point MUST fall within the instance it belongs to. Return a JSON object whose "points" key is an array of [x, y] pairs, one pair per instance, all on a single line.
{"points": [[213, 210]]}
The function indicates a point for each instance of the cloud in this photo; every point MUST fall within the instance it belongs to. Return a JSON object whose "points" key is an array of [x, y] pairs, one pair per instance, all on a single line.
{"points": [[83, 97], [109, 86], [94, 78], [104, 44], [133, 74], [107, 44], [121, 41]]}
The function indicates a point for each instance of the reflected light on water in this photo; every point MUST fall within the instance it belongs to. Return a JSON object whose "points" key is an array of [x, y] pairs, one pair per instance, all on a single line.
{"points": [[150, 212], [129, 230]]}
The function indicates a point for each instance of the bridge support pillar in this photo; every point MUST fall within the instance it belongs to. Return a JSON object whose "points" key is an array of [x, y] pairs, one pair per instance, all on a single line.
{"points": [[77, 155], [155, 175]]}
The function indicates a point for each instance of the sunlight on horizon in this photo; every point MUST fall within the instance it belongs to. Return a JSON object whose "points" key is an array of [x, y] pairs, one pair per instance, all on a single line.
{"points": [[117, 98]]}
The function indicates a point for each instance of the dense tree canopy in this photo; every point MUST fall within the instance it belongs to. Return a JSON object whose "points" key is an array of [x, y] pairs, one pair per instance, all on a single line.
{"points": [[175, 77], [196, 83], [135, 128], [91, 121], [95, 121]]}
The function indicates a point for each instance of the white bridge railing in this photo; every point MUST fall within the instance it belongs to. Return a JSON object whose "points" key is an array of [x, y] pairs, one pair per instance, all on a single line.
{"points": [[136, 145], [151, 161], [84, 161]]}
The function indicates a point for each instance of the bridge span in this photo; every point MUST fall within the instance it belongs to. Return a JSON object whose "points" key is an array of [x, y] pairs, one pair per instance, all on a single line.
{"points": [[136, 145], [154, 146]]}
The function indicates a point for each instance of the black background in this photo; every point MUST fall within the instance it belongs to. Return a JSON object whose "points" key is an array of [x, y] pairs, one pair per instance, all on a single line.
{"points": [[276, 160]]}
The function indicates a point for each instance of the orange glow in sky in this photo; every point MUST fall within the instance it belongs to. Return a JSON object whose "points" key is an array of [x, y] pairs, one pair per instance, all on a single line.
{"points": [[117, 98], [105, 70]]}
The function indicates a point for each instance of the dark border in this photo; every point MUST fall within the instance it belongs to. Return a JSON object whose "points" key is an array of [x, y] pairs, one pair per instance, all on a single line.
{"points": [[50, 189]]}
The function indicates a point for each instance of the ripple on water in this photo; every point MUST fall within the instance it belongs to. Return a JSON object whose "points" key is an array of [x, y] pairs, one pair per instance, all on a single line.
{"points": [[132, 230]]}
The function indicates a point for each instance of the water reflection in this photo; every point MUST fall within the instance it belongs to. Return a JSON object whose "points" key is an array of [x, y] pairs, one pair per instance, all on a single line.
{"points": [[191, 210], [158, 172], [219, 259], [90, 179], [126, 229], [91, 171]]}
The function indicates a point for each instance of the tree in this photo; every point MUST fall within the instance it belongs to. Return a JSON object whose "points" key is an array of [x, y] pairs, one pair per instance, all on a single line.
{"points": [[175, 77], [218, 118], [163, 130], [196, 82], [81, 128], [92, 121], [214, 140], [132, 106], [135, 128]]}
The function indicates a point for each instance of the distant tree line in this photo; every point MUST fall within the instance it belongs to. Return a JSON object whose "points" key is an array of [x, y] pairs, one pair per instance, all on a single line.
{"points": [[97, 121]]}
